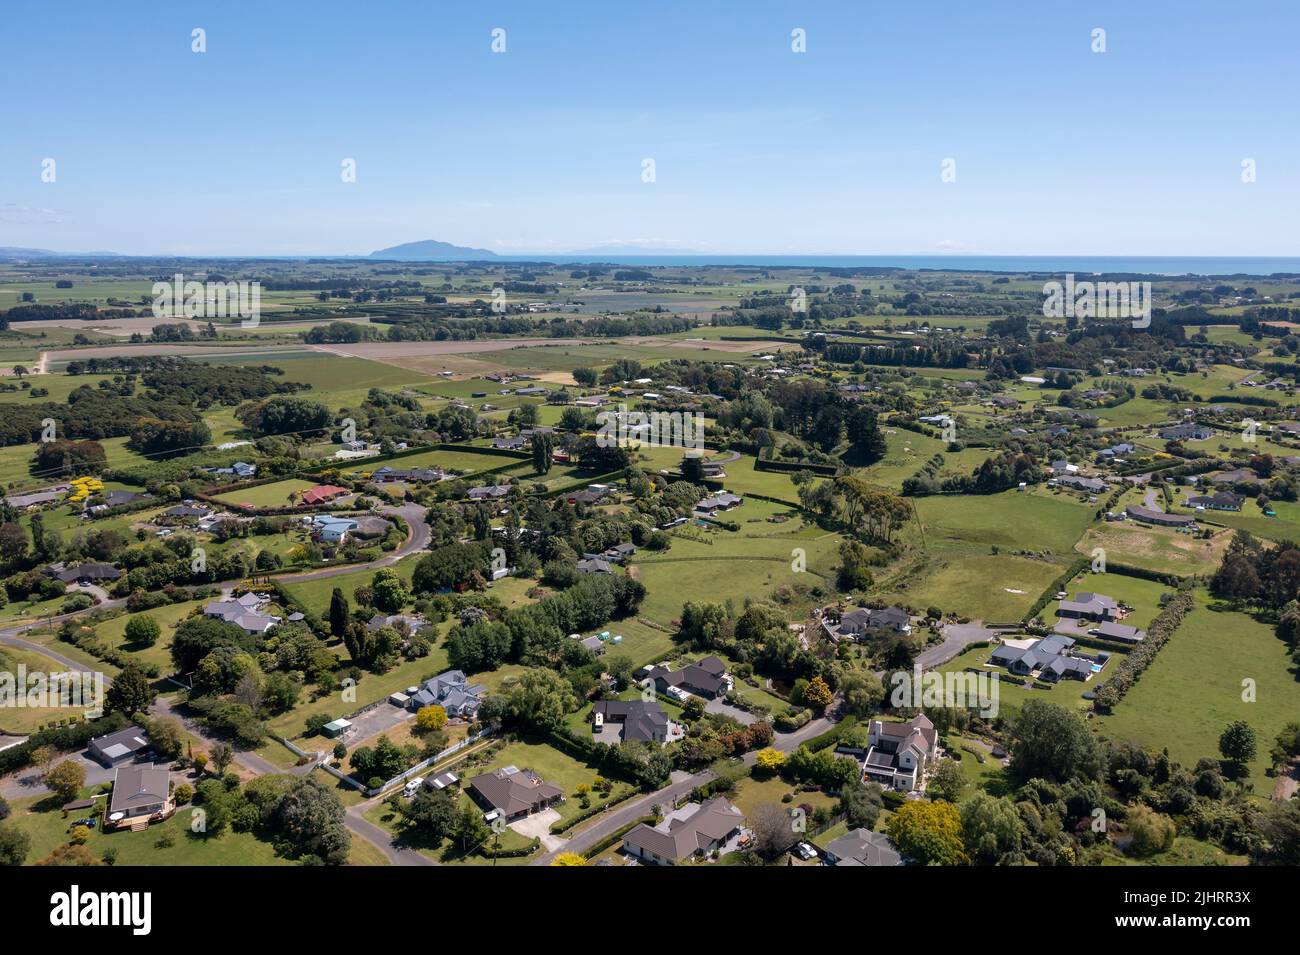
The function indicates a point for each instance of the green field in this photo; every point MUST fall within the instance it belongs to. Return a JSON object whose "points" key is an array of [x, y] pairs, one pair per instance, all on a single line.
{"points": [[1195, 686]]}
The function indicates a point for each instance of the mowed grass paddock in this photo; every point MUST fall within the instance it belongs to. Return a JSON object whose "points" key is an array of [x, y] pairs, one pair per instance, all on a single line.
{"points": [[994, 588], [1011, 520], [1196, 685]]}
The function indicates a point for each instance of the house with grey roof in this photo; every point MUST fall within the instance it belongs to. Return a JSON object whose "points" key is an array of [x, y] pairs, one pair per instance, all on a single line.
{"points": [[696, 829], [1049, 659], [1187, 432], [89, 572], [141, 794], [513, 793], [707, 678], [489, 492], [1160, 518], [1219, 501], [1119, 631], [594, 564], [121, 746], [1089, 606], [856, 623], [897, 753], [862, 847], [243, 612], [452, 691], [634, 719], [1089, 484], [722, 501]]}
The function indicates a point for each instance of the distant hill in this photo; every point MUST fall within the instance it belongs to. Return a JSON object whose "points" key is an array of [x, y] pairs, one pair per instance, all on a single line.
{"points": [[17, 252], [431, 250]]}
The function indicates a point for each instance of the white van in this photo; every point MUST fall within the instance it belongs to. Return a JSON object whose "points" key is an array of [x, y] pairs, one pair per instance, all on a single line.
{"points": [[412, 786]]}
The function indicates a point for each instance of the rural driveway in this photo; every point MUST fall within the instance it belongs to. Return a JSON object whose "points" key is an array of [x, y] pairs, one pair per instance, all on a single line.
{"points": [[394, 852], [956, 638]]}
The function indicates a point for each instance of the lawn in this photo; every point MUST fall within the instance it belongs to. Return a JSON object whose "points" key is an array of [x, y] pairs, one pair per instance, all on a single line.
{"points": [[21, 720], [48, 829], [275, 494], [1067, 693], [113, 633], [996, 588], [315, 593], [752, 793], [1011, 520], [1195, 688]]}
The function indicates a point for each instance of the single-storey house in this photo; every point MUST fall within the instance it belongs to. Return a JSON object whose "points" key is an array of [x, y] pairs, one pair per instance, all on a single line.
{"points": [[1148, 516], [707, 678], [1187, 432], [514, 793], [322, 493], [696, 829], [722, 501], [489, 492], [141, 794], [1219, 501], [640, 720], [857, 622], [1119, 631], [593, 564], [88, 573], [1089, 606], [862, 847]]}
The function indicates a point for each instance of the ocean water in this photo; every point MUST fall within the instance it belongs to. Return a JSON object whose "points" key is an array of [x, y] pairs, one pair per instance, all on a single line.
{"points": [[1078, 264]]}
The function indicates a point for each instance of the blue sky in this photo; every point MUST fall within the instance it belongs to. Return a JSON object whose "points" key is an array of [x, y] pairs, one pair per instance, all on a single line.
{"points": [[757, 149]]}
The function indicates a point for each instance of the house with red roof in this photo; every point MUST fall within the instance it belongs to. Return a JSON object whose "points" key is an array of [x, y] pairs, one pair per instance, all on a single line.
{"points": [[322, 493]]}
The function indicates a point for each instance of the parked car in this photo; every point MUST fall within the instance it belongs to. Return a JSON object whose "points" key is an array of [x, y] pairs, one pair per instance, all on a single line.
{"points": [[805, 851], [412, 786]]}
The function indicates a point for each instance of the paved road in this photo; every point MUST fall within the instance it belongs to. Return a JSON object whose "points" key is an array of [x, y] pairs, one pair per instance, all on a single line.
{"points": [[632, 810]]}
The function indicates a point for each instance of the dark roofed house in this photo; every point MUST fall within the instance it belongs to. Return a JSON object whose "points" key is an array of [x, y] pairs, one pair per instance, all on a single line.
{"points": [[122, 746], [1148, 516], [119, 498], [640, 720], [514, 793], [1090, 606], [1091, 485], [1119, 631], [707, 678], [88, 573], [722, 501], [863, 847], [1220, 501], [697, 829], [620, 552], [514, 443], [592, 564]]}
